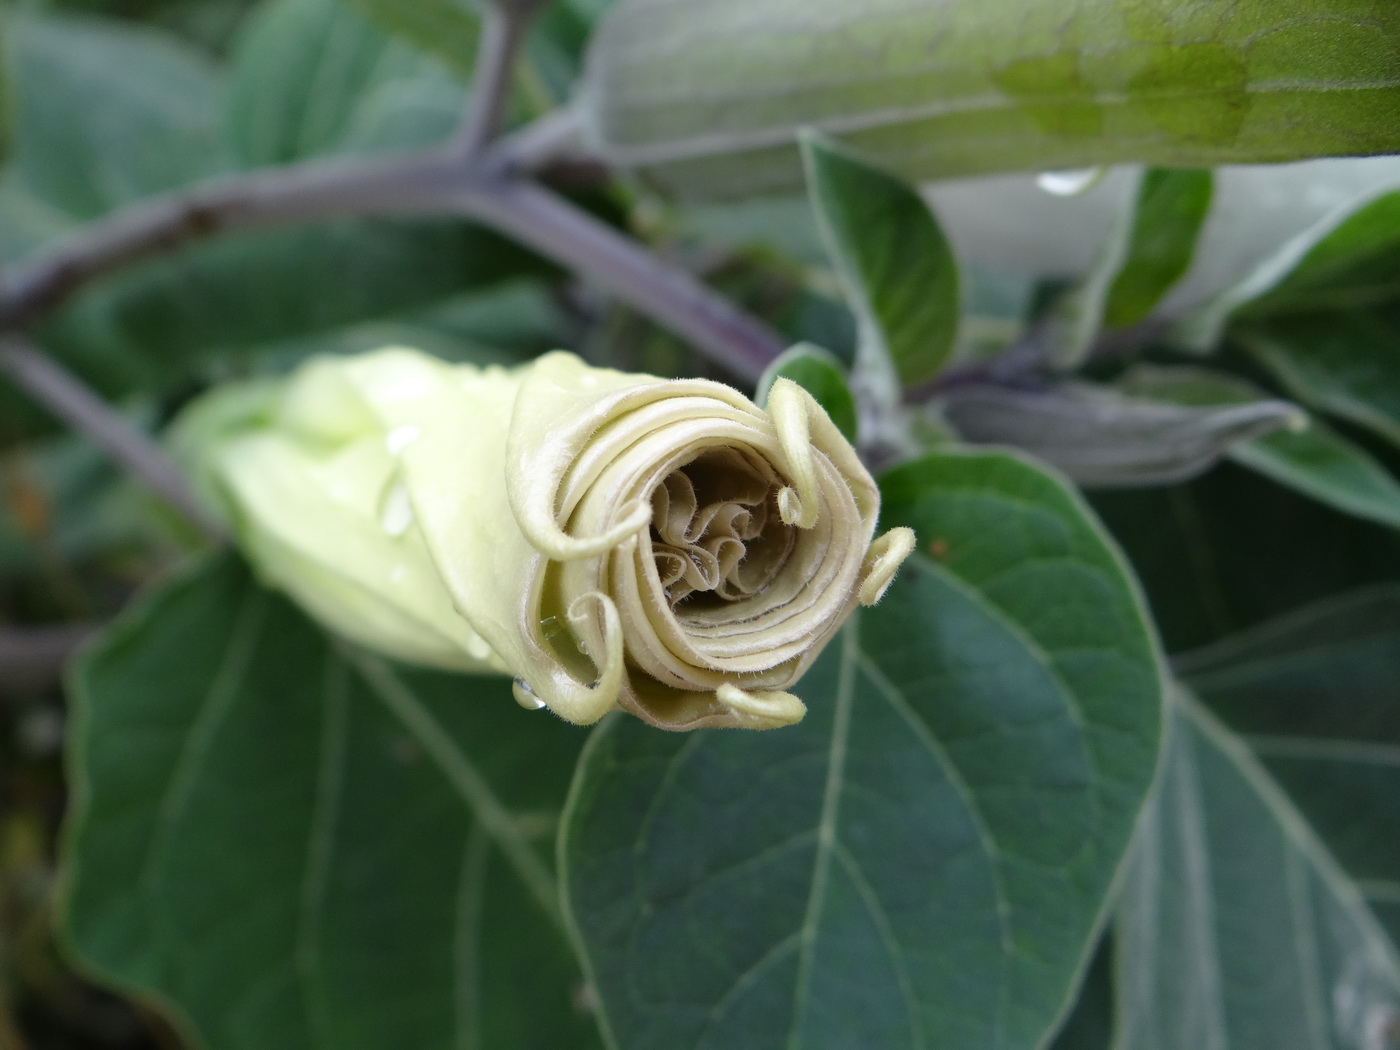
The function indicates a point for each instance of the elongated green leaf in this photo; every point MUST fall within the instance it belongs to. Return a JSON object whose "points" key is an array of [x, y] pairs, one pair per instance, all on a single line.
{"points": [[1102, 438], [446, 28], [1148, 248], [924, 860], [1316, 695], [896, 265], [1313, 460], [821, 375], [1172, 205], [1343, 363], [293, 848], [708, 94], [1237, 929], [1349, 258]]}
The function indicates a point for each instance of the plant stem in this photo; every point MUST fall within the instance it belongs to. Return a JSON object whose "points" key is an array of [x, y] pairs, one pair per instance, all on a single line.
{"points": [[669, 295], [33, 658], [70, 400], [503, 29]]}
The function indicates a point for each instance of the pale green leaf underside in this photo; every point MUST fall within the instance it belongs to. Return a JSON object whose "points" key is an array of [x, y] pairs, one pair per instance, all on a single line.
{"points": [[290, 857], [709, 94], [934, 842], [1237, 930]]}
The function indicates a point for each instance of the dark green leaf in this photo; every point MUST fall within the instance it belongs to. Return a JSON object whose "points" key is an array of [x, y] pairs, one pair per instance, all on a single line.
{"points": [[896, 264], [445, 28], [925, 859], [1232, 549], [1237, 929], [1343, 363], [708, 97], [295, 847], [108, 113], [821, 375], [1316, 695], [312, 77], [1104, 439], [1313, 460], [1348, 259]]}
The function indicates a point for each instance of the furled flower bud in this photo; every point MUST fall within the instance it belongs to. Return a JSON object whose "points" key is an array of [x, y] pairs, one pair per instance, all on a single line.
{"points": [[608, 539]]}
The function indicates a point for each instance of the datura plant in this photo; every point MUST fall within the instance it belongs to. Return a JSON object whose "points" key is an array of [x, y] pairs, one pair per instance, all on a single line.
{"points": [[665, 546]]}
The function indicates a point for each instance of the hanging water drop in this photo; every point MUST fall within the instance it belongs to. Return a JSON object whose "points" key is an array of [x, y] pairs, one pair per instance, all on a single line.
{"points": [[525, 696], [1071, 182], [396, 515]]}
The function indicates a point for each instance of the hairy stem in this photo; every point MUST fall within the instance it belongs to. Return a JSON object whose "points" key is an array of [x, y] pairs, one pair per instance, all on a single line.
{"points": [[70, 400]]}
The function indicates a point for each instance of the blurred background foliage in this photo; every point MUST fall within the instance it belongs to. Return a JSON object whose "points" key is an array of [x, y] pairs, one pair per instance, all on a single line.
{"points": [[114, 100]]}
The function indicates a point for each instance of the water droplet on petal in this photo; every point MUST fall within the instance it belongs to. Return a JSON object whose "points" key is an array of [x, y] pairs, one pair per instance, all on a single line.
{"points": [[397, 514], [525, 696], [1070, 183], [400, 438]]}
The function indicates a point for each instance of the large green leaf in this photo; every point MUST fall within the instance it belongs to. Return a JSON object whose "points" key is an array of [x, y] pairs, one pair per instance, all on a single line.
{"points": [[708, 94], [312, 77], [925, 859], [898, 269], [445, 28], [1312, 459], [1237, 929], [293, 846], [1349, 258], [1231, 549], [1316, 695], [108, 113], [1344, 363]]}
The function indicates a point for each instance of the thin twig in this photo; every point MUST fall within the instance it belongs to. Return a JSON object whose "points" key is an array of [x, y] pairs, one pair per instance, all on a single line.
{"points": [[671, 296], [68, 398], [503, 28], [417, 185]]}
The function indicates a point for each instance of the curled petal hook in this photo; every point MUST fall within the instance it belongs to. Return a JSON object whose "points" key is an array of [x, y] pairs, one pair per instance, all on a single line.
{"points": [[761, 710], [882, 561]]}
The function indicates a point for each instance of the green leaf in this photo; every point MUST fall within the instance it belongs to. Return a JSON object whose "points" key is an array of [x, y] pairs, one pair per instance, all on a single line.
{"points": [[1231, 549], [1237, 929], [1172, 205], [897, 266], [107, 113], [315, 77], [934, 842], [1348, 259], [291, 845], [1343, 363], [1314, 694], [821, 375], [1313, 459], [445, 28], [708, 97], [1102, 438], [1148, 248]]}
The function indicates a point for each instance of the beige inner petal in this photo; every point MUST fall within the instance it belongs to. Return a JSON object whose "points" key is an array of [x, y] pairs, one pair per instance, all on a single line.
{"points": [[716, 534]]}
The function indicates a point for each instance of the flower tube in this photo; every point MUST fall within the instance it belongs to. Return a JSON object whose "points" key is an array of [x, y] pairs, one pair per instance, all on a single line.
{"points": [[665, 546]]}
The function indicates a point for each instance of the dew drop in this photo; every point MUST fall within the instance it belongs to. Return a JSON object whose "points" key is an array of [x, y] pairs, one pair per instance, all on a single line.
{"points": [[397, 513], [400, 438], [525, 696], [1070, 183]]}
